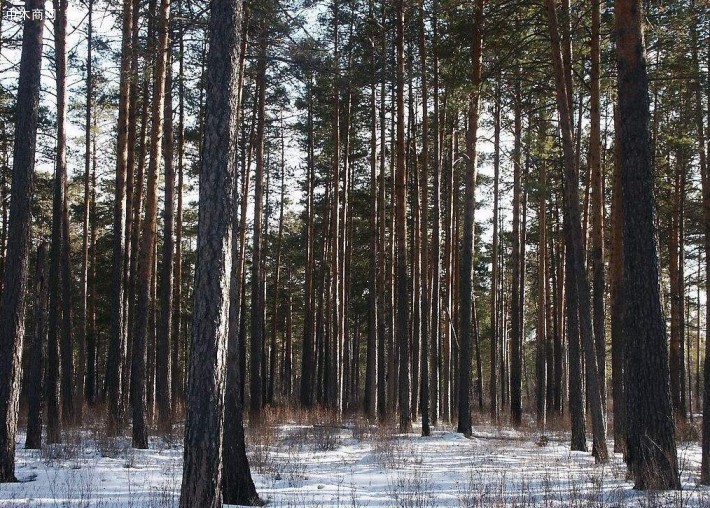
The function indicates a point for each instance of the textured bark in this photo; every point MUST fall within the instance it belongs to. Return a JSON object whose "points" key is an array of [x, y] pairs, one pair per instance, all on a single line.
{"points": [[495, 339], [372, 321], [146, 254], [237, 484], [435, 324], [579, 304], [677, 294], [256, 381], [12, 300], [86, 366], [117, 337], [273, 352], [71, 410], [541, 329], [516, 326], [596, 253], [202, 470], [163, 367], [427, 338], [402, 334], [308, 364], [616, 285], [651, 449], [382, 380], [466, 279], [176, 370], [33, 377]]}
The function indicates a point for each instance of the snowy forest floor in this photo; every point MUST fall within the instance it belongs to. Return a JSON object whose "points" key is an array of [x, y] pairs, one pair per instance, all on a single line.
{"points": [[323, 463]]}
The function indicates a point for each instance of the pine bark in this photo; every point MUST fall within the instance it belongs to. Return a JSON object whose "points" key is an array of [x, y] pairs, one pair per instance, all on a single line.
{"points": [[117, 337], [12, 300], [146, 254], [651, 449], [202, 470], [35, 354]]}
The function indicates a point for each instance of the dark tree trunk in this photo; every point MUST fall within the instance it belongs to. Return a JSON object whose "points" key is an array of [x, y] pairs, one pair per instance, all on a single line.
{"points": [[371, 364], [651, 449], [424, 205], [35, 354], [616, 281], [146, 255], [117, 337], [202, 470], [308, 364], [405, 415], [164, 329], [86, 371], [466, 280], [256, 381], [516, 327], [579, 304], [495, 339], [12, 300]]}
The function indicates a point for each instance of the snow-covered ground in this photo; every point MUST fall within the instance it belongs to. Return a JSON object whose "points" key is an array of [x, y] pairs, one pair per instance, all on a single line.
{"points": [[349, 465]]}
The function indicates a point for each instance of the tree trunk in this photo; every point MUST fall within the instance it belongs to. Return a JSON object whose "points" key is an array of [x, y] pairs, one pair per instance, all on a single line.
{"points": [[163, 369], [495, 339], [372, 300], [597, 206], [579, 305], [36, 356], [308, 362], [541, 330], [435, 324], [146, 255], [256, 390], [12, 300], [176, 379], [405, 416], [426, 335], [466, 280], [202, 470], [85, 370], [516, 327], [117, 338], [651, 449]]}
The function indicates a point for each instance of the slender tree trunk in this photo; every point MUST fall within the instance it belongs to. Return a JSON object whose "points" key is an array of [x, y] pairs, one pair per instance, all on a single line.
{"points": [[117, 338], [273, 355], [163, 370], [541, 331], [516, 328], [256, 391], [36, 354], [85, 370], [146, 255], [466, 284], [616, 280], [405, 422], [597, 206], [495, 339], [427, 338], [579, 304], [372, 297], [383, 381], [308, 362], [435, 324], [176, 369]]}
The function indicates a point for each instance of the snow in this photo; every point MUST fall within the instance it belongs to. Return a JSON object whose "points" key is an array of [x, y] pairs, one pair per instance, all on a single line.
{"points": [[349, 465]]}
